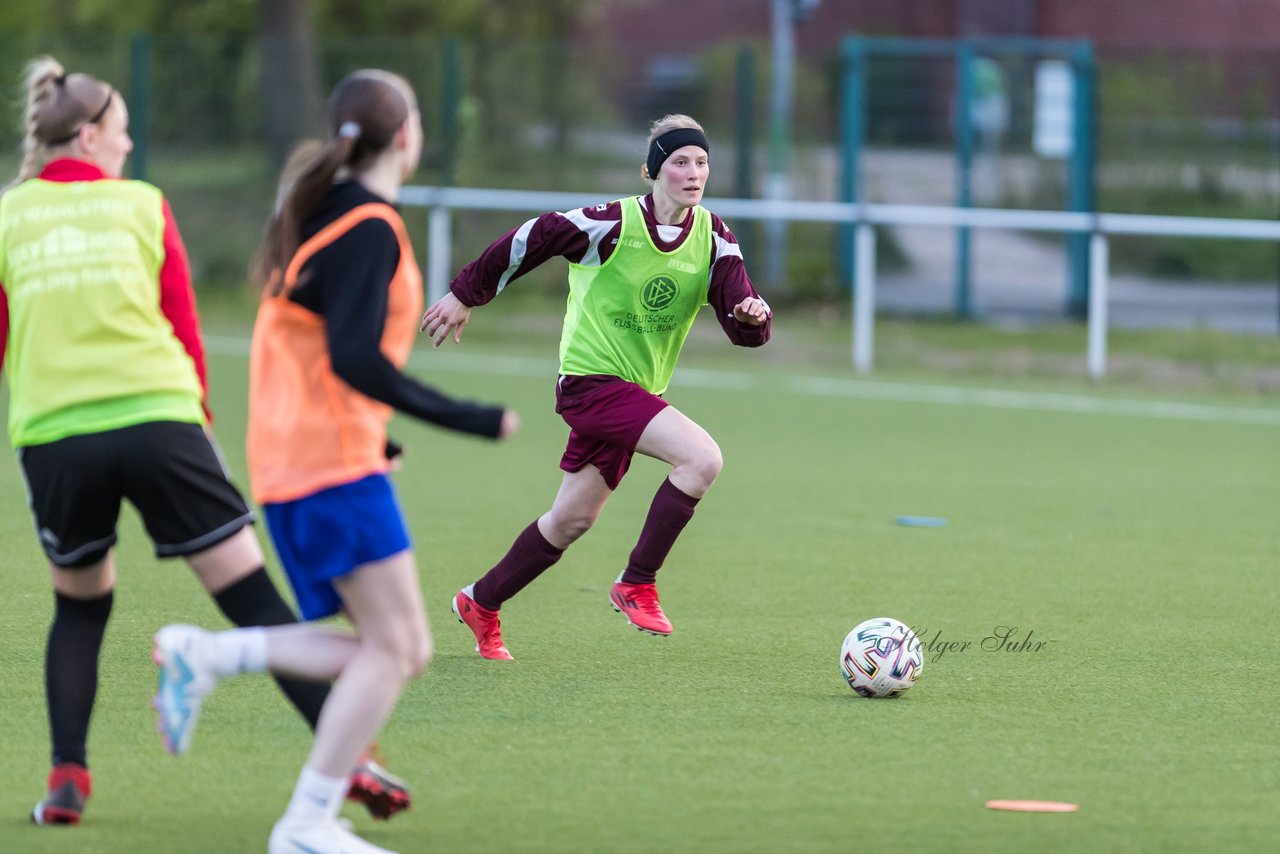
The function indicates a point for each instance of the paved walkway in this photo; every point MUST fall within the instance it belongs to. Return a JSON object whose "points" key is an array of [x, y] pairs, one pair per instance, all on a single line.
{"points": [[1020, 276], [1016, 277]]}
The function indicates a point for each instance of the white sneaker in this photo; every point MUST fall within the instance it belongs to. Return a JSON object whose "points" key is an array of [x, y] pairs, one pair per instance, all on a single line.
{"points": [[185, 657], [317, 837]]}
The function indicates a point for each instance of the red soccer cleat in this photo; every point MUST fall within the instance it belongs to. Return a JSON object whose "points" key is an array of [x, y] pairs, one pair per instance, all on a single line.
{"points": [[483, 624], [69, 787], [382, 793], [639, 604]]}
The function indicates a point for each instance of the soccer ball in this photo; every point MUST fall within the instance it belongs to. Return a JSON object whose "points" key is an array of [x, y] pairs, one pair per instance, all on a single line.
{"points": [[881, 658]]}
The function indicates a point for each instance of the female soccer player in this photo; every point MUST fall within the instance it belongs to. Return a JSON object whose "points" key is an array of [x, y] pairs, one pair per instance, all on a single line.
{"points": [[639, 271], [342, 296], [106, 402]]}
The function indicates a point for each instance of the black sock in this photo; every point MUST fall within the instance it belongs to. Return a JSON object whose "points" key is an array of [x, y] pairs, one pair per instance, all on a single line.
{"points": [[71, 672], [254, 601]]}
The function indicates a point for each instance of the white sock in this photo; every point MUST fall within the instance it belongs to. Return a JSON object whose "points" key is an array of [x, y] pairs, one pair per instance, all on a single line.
{"points": [[240, 651], [316, 797]]}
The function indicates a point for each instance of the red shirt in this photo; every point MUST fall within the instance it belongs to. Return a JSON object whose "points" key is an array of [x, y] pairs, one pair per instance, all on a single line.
{"points": [[177, 298]]}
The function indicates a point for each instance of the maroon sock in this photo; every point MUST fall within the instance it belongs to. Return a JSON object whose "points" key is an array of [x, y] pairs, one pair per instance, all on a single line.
{"points": [[528, 556], [670, 511]]}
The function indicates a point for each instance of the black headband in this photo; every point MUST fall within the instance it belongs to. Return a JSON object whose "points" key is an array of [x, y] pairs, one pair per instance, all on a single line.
{"points": [[673, 140], [92, 120]]}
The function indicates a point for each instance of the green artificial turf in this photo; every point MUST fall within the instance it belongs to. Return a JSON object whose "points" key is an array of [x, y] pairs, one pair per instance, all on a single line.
{"points": [[1142, 552]]}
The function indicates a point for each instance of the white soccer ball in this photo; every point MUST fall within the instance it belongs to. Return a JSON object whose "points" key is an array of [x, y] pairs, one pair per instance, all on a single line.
{"points": [[881, 657]]}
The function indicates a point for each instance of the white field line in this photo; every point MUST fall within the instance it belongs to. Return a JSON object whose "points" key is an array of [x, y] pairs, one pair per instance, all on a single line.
{"points": [[987, 398]]}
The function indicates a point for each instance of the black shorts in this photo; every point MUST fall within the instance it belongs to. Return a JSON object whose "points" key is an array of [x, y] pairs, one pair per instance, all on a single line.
{"points": [[170, 471]]}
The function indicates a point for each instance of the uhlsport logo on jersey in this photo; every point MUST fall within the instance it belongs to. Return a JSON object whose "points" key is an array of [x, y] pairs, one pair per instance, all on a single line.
{"points": [[659, 292]]}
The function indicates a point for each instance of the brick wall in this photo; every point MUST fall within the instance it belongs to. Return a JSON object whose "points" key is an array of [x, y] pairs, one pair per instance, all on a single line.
{"points": [[1164, 24], [1125, 24]]}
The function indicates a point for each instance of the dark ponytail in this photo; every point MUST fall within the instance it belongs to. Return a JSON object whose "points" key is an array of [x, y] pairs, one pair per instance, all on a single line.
{"points": [[365, 111]]}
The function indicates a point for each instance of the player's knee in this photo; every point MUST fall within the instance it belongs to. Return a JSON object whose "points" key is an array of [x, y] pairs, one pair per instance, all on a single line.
{"points": [[419, 656], [406, 651], [706, 466], [412, 656], [418, 649], [573, 524]]}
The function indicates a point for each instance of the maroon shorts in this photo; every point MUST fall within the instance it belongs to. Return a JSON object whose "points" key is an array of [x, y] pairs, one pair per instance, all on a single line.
{"points": [[606, 416]]}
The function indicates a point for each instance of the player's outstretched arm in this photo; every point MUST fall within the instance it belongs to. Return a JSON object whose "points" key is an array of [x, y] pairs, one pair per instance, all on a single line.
{"points": [[448, 315]]}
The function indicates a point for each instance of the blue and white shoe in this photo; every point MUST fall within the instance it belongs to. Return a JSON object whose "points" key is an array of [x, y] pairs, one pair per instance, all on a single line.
{"points": [[326, 836], [185, 657]]}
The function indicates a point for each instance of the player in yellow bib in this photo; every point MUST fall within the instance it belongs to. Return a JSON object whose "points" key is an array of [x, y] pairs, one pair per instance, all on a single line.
{"points": [[640, 269], [100, 341]]}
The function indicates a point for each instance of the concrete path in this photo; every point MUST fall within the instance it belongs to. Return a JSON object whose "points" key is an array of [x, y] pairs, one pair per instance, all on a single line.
{"points": [[1017, 275]]}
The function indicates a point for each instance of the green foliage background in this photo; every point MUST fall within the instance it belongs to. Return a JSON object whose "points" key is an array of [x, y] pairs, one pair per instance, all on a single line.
{"points": [[539, 104]]}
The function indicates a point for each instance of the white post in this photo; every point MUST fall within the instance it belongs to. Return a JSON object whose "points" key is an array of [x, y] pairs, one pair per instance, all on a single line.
{"points": [[777, 182], [1098, 269], [439, 242], [864, 298]]}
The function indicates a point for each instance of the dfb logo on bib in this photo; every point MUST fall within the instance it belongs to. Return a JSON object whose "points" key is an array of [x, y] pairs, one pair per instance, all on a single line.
{"points": [[659, 292]]}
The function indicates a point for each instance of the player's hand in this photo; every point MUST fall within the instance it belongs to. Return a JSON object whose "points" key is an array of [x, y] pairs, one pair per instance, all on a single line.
{"points": [[752, 310], [448, 315], [510, 424], [394, 453]]}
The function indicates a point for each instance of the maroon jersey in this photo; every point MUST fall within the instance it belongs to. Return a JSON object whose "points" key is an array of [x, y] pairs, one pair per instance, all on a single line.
{"points": [[588, 236]]}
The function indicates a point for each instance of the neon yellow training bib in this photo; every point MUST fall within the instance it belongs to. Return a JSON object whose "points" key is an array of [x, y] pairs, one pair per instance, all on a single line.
{"points": [[629, 317], [89, 347]]}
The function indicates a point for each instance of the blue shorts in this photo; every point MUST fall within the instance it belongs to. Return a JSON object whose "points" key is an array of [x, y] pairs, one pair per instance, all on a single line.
{"points": [[330, 533]]}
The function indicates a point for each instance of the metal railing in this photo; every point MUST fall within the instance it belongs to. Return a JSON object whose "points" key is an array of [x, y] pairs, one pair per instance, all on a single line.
{"points": [[863, 218]]}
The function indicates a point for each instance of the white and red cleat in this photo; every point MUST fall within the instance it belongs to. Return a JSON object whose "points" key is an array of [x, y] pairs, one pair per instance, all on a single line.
{"points": [[639, 604], [382, 793], [483, 623]]}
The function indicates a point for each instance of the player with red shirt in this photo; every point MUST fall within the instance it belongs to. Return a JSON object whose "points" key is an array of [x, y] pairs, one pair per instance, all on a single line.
{"points": [[108, 401]]}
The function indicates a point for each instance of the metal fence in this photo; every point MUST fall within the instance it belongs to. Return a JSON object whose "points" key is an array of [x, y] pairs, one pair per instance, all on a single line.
{"points": [[1175, 134], [1097, 227]]}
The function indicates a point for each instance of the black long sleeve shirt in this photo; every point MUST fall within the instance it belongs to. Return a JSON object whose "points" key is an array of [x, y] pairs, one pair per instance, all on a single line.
{"points": [[346, 283]]}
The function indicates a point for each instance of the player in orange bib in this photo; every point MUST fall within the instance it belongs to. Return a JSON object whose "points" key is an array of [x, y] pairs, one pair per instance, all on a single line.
{"points": [[342, 294]]}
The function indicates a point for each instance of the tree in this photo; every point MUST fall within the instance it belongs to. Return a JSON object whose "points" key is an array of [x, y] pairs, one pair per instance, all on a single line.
{"points": [[288, 87]]}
